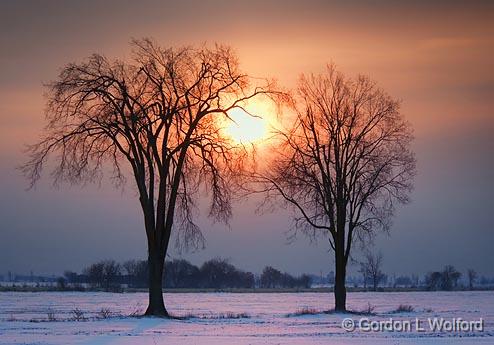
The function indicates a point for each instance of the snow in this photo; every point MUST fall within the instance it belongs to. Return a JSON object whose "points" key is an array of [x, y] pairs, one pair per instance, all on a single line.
{"points": [[210, 318]]}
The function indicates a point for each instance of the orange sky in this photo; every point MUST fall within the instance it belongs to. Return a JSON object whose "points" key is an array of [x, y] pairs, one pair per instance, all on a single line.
{"points": [[437, 58]]}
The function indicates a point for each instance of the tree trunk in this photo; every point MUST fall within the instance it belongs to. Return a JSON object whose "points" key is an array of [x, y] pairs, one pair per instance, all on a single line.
{"points": [[339, 281], [156, 305]]}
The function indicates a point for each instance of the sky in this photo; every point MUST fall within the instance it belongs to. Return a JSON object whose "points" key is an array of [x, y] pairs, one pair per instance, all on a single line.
{"points": [[436, 57]]}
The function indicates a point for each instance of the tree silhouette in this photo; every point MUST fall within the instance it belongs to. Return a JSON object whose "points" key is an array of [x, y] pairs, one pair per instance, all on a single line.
{"points": [[472, 276], [371, 267], [343, 164], [160, 113]]}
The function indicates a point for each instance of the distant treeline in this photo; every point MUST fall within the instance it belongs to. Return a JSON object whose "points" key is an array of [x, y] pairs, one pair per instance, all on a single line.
{"points": [[449, 278], [218, 273], [213, 274]]}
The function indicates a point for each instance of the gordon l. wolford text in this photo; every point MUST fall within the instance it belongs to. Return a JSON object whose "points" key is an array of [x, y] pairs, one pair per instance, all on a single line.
{"points": [[432, 324]]}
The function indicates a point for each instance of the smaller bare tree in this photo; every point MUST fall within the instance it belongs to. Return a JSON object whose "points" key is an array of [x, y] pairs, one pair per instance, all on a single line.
{"points": [[371, 269], [343, 165]]}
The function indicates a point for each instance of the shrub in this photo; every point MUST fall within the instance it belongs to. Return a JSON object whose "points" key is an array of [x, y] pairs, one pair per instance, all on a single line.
{"points": [[78, 315], [404, 308], [51, 315], [305, 311], [104, 313], [369, 310]]}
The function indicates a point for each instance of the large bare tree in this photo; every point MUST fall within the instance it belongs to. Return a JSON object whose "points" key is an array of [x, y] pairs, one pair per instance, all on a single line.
{"points": [[343, 165], [157, 116]]}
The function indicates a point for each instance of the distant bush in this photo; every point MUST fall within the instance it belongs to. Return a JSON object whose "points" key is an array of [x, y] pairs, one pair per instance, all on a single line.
{"points": [[51, 315], [404, 308], [104, 313], [231, 315], [367, 311], [138, 310], [304, 311], [78, 315]]}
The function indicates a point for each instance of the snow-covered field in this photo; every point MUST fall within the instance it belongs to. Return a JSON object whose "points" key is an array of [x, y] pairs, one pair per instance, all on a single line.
{"points": [[247, 318]]}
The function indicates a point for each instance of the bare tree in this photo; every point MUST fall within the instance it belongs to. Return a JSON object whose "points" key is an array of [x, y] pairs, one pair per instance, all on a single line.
{"points": [[371, 269], [433, 281], [104, 274], [137, 272], [159, 115], [365, 275], [449, 278], [95, 274], [472, 276], [343, 165], [111, 273], [271, 277]]}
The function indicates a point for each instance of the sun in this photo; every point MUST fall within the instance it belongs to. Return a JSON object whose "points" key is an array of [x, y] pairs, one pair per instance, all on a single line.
{"points": [[244, 128]]}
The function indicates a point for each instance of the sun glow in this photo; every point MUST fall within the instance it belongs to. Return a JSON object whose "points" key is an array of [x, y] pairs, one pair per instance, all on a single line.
{"points": [[244, 128]]}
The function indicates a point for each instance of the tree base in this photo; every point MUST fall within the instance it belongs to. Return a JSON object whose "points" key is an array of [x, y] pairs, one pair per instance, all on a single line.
{"points": [[157, 312]]}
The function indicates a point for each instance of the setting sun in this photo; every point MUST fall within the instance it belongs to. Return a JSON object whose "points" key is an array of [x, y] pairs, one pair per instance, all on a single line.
{"points": [[244, 128]]}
